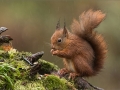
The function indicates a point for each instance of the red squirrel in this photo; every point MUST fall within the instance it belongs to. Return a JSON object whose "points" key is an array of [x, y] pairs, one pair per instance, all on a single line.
{"points": [[83, 50]]}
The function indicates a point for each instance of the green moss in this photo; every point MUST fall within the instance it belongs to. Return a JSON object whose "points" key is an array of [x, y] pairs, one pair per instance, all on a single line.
{"points": [[52, 82], [6, 75], [47, 66], [15, 73], [28, 85], [3, 55]]}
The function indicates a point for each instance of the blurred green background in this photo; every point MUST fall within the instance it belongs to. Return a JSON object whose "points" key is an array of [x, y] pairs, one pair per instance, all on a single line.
{"points": [[31, 23]]}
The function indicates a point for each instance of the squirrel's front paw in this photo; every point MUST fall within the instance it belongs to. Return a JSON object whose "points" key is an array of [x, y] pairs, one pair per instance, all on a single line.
{"points": [[55, 52]]}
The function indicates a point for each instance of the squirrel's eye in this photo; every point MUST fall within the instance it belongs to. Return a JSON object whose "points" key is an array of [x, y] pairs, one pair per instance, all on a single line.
{"points": [[59, 40]]}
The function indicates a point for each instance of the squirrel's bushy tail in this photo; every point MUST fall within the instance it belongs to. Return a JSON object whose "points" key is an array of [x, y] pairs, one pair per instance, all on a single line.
{"points": [[84, 29]]}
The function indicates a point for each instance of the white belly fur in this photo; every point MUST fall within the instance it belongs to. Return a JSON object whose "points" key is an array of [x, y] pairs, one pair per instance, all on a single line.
{"points": [[69, 65]]}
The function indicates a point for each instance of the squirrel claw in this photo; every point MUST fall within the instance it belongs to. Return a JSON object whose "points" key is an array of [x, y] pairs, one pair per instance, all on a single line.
{"points": [[73, 75], [52, 50], [62, 72]]}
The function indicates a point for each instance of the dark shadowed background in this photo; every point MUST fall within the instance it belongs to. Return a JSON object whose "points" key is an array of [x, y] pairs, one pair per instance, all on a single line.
{"points": [[32, 22]]}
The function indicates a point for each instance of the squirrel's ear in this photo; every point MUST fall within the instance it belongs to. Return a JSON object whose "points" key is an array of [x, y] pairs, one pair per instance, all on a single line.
{"points": [[65, 32], [58, 25]]}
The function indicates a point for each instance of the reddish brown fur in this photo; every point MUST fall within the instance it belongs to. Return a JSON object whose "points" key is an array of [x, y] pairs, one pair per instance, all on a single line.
{"points": [[83, 50]]}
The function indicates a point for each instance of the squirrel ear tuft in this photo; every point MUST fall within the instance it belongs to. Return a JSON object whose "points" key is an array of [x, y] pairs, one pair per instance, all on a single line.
{"points": [[65, 32], [58, 25]]}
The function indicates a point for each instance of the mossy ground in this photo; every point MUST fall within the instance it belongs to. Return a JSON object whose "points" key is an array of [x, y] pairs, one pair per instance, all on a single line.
{"points": [[15, 73]]}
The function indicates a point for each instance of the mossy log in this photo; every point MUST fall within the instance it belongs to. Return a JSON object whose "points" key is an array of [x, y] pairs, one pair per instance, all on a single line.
{"points": [[26, 71]]}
